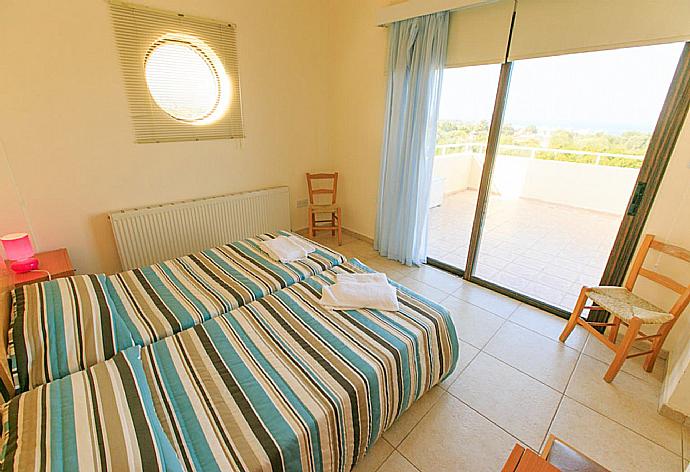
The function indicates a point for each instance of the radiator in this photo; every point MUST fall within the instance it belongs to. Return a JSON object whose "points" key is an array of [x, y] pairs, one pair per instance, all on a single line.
{"points": [[148, 235]]}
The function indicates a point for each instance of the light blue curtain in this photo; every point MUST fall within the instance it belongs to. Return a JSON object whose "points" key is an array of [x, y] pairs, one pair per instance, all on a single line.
{"points": [[416, 58]]}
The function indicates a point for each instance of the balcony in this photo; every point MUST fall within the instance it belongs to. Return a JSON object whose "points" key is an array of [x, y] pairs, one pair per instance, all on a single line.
{"points": [[551, 221]]}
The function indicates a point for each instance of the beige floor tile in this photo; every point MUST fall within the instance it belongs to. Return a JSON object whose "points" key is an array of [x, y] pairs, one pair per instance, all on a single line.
{"points": [[627, 400], [473, 324], [489, 300], [348, 253], [546, 360], [594, 348], [407, 270], [397, 463], [325, 237], [686, 442], [426, 290], [513, 400], [437, 278], [357, 248], [452, 437], [375, 457], [467, 353], [404, 424], [548, 324], [607, 442], [555, 238], [390, 263], [383, 265]]}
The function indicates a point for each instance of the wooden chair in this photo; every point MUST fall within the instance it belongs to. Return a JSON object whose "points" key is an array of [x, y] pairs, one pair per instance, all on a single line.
{"points": [[328, 207], [563, 456], [632, 310]]}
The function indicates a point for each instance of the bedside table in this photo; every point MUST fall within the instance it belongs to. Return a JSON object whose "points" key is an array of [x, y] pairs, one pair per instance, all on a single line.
{"points": [[56, 262]]}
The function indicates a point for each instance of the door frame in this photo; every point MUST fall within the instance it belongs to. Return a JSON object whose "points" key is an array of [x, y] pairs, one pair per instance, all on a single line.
{"points": [[658, 154]]}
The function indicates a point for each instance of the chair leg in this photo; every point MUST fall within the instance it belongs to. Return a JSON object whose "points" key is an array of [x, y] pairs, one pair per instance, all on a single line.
{"points": [[575, 315], [613, 334], [311, 224], [622, 353], [333, 224], [656, 346], [340, 228]]}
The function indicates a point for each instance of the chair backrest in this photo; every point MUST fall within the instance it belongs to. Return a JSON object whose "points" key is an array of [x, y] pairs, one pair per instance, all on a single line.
{"points": [[649, 242], [332, 189]]}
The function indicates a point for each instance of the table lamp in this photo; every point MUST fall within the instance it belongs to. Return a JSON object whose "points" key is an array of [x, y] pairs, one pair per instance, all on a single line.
{"points": [[19, 250]]}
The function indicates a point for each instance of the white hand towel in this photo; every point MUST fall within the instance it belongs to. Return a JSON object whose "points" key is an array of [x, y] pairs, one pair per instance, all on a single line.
{"points": [[283, 249], [354, 295], [368, 278], [306, 245]]}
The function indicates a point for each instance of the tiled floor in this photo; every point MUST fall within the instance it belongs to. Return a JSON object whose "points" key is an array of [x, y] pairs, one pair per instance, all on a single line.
{"points": [[516, 383], [544, 250]]}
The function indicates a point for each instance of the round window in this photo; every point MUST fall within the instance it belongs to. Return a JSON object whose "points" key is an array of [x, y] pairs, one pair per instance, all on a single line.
{"points": [[187, 80]]}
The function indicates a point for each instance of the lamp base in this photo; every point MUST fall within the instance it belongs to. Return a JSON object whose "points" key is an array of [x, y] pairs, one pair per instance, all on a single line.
{"points": [[24, 265]]}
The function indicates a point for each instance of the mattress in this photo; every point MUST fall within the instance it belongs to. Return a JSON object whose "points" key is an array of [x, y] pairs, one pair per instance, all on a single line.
{"points": [[285, 384], [166, 298]]}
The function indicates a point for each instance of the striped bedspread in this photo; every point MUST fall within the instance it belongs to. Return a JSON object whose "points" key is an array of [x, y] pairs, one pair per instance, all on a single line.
{"points": [[168, 297], [284, 384]]}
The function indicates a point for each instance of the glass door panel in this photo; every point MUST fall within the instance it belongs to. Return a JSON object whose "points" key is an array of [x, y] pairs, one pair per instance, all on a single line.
{"points": [[574, 136], [467, 101]]}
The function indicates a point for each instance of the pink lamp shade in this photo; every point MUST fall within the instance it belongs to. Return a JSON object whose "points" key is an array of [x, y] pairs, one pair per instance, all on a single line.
{"points": [[19, 250]]}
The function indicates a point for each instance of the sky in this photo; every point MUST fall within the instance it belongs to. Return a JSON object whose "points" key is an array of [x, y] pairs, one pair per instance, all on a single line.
{"points": [[613, 91]]}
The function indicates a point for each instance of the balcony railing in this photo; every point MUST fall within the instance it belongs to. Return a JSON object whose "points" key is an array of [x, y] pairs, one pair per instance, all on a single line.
{"points": [[530, 152]]}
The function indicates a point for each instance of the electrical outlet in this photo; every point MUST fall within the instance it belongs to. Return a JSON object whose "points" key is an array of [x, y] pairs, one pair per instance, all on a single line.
{"points": [[302, 203]]}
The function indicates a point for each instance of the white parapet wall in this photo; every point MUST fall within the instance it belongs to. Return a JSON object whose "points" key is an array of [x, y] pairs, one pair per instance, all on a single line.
{"points": [[456, 170], [593, 187]]}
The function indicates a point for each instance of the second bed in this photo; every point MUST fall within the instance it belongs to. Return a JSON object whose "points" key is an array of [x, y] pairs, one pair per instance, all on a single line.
{"points": [[285, 384]]}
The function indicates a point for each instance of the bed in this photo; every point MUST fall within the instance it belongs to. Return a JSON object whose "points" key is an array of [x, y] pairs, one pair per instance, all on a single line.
{"points": [[285, 384], [279, 383], [168, 297]]}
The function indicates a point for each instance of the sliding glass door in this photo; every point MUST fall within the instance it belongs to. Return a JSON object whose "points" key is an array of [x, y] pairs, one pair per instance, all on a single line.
{"points": [[573, 138], [467, 100]]}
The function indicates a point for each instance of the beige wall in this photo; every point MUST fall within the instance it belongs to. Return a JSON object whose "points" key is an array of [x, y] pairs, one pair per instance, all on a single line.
{"points": [[357, 102], [670, 221], [65, 129]]}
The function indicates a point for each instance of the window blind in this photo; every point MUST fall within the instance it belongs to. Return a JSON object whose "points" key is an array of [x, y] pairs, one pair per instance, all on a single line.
{"points": [[181, 74], [479, 35], [553, 27]]}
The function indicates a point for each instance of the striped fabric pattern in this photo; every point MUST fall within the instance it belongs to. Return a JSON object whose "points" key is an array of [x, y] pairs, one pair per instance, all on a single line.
{"points": [[98, 419], [168, 297], [60, 327], [283, 384]]}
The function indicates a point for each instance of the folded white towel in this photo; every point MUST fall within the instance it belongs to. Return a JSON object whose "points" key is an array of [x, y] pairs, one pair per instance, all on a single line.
{"points": [[306, 245], [283, 249], [349, 295], [368, 278]]}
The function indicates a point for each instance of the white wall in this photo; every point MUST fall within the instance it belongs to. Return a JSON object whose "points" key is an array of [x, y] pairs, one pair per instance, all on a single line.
{"points": [[599, 188], [65, 130], [456, 170]]}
